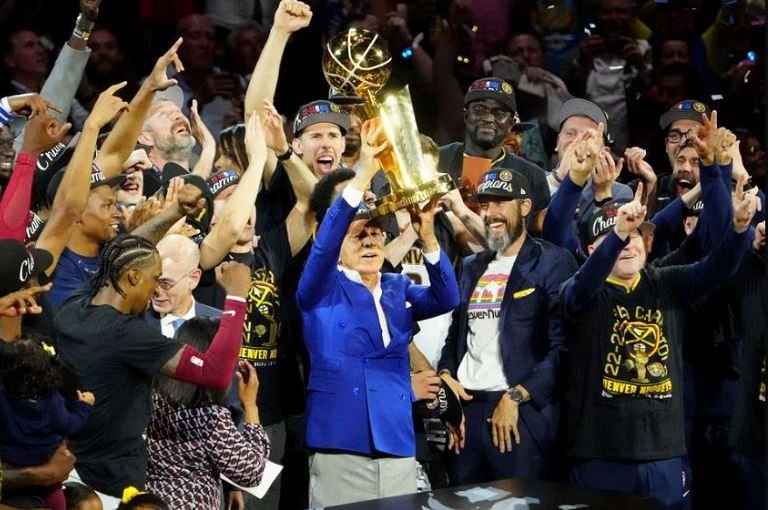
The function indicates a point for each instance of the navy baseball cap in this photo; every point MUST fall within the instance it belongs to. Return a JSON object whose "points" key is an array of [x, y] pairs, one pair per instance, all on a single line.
{"points": [[604, 219], [320, 111], [97, 179], [503, 183], [492, 88], [220, 181], [689, 109]]}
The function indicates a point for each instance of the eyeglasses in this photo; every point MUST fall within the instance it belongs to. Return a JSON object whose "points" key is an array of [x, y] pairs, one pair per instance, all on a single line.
{"points": [[168, 284], [675, 136], [377, 238], [499, 114]]}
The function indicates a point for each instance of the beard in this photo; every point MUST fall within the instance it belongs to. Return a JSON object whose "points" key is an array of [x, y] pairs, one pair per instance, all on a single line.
{"points": [[175, 147], [507, 239]]}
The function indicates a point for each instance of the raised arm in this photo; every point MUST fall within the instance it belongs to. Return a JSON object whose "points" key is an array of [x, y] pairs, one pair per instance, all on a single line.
{"points": [[122, 139], [214, 367], [43, 133], [234, 216], [72, 195], [717, 268], [583, 286], [182, 199], [578, 160], [61, 85], [316, 278], [300, 220], [290, 16], [206, 140]]}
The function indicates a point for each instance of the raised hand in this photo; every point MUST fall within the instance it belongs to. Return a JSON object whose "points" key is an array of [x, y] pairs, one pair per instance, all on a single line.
{"points": [[31, 105], [273, 129], [634, 157], [106, 107], [605, 173], [582, 157], [705, 138], [90, 9], [423, 222], [189, 199], [255, 139], [373, 143], [724, 146], [22, 301], [292, 16], [234, 278], [758, 244], [200, 131], [745, 206], [158, 78], [86, 396], [631, 215], [43, 132]]}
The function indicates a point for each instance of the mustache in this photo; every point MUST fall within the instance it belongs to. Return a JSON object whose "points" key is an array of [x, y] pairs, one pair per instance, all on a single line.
{"points": [[495, 219]]}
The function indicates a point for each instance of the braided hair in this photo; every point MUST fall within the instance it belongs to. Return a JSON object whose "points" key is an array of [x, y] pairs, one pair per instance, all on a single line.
{"points": [[122, 253]]}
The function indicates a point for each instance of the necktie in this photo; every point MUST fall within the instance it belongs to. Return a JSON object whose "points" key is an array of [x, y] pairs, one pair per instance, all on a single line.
{"points": [[176, 324]]}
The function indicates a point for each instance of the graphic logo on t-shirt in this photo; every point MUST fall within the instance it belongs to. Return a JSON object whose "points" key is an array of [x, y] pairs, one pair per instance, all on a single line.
{"points": [[636, 362], [262, 324], [486, 299], [761, 393]]}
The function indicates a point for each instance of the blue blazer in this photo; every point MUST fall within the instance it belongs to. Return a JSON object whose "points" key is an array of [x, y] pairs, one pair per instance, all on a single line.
{"points": [[359, 392], [531, 334]]}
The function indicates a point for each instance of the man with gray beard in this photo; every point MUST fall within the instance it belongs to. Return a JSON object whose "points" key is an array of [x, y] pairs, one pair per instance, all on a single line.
{"points": [[502, 353], [167, 134]]}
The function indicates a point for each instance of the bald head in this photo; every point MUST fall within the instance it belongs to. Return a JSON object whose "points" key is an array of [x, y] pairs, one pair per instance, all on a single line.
{"points": [[180, 257], [180, 250]]}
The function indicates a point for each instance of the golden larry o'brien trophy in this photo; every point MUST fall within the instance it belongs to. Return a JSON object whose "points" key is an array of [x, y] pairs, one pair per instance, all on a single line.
{"points": [[356, 65]]}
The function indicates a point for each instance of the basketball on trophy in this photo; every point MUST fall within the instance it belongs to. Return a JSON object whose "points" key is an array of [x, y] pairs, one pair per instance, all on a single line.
{"points": [[357, 64]]}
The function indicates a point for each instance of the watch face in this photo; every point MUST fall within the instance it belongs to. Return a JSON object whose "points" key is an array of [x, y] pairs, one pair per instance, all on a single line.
{"points": [[516, 395]]}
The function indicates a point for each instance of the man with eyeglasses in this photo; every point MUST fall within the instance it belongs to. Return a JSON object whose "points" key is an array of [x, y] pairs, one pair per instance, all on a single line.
{"points": [[680, 123], [490, 115], [172, 301]]}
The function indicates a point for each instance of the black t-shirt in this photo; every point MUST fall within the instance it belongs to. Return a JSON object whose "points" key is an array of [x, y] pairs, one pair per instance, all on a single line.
{"points": [[262, 328], [115, 356], [749, 296], [624, 379], [273, 204]]}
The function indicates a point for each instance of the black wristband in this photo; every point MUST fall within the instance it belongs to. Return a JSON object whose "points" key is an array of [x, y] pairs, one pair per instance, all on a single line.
{"points": [[286, 155]]}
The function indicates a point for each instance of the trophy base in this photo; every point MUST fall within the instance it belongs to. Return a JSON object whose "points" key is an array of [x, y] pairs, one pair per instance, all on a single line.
{"points": [[400, 199]]}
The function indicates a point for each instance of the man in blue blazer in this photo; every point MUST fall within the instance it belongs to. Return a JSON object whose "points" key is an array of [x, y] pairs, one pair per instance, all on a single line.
{"points": [[502, 353], [358, 323], [173, 302]]}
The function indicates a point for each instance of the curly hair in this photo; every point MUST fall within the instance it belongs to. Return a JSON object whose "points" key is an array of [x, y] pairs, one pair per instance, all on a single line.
{"points": [[28, 371]]}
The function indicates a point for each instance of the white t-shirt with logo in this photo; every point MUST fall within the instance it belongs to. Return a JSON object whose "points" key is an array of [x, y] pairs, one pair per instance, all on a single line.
{"points": [[481, 368]]}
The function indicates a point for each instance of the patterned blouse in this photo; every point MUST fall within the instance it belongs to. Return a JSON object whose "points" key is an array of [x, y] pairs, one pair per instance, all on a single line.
{"points": [[190, 447]]}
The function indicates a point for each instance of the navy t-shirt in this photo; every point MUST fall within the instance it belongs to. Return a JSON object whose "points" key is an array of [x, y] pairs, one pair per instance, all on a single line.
{"points": [[72, 272]]}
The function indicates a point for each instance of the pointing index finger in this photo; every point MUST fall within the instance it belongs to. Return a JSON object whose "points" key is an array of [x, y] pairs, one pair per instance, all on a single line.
{"points": [[639, 192]]}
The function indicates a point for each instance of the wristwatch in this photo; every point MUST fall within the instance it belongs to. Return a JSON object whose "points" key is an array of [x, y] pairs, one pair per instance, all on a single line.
{"points": [[516, 395], [286, 155]]}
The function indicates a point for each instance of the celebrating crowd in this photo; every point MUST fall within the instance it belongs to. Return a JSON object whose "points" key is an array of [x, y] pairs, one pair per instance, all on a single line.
{"points": [[196, 278]]}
